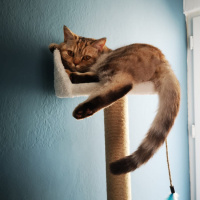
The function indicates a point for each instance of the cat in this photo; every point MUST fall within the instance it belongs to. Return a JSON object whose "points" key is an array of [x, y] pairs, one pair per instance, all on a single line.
{"points": [[90, 60]]}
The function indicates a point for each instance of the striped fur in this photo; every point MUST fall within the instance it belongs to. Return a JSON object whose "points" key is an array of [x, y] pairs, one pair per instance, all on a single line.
{"points": [[118, 71]]}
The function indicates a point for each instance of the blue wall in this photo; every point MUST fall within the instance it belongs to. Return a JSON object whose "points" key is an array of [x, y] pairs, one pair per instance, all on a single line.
{"points": [[44, 152]]}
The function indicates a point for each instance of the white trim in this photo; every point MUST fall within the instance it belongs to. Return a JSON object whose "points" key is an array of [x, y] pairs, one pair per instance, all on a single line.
{"points": [[188, 12], [193, 92], [191, 6], [196, 65]]}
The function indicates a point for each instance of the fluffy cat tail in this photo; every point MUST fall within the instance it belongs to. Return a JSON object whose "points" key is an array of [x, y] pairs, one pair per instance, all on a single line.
{"points": [[169, 100]]}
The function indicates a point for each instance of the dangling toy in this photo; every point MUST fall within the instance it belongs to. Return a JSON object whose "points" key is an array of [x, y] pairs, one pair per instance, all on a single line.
{"points": [[173, 195]]}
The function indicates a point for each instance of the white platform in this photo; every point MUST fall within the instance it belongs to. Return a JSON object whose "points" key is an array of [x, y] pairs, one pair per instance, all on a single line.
{"points": [[65, 89]]}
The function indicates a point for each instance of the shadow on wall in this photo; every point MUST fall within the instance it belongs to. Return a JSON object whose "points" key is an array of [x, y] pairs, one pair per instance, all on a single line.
{"points": [[26, 83], [27, 70], [26, 62]]}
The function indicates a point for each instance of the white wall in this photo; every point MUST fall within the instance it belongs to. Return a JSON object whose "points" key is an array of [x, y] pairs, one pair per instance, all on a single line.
{"points": [[191, 5]]}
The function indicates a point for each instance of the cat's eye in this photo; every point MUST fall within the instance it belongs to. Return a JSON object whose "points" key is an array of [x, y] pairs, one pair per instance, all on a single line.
{"points": [[86, 57], [70, 53]]}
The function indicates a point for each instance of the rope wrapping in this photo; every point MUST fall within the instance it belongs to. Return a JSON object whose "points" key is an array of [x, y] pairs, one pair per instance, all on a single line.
{"points": [[117, 146]]}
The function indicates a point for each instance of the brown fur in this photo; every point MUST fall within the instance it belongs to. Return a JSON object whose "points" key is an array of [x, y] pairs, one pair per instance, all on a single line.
{"points": [[118, 71]]}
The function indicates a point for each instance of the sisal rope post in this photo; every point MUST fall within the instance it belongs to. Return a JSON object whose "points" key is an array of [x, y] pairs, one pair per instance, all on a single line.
{"points": [[117, 146]]}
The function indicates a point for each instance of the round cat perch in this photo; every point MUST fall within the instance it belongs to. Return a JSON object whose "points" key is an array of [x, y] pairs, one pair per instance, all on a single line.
{"points": [[65, 89], [116, 124]]}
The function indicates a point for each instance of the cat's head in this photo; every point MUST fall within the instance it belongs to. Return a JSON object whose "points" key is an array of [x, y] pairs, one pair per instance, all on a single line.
{"points": [[79, 53]]}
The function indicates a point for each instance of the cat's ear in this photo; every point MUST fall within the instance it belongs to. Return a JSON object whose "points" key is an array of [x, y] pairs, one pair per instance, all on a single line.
{"points": [[68, 34], [99, 44]]}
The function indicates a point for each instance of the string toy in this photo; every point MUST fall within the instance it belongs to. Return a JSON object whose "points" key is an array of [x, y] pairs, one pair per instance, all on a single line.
{"points": [[173, 195]]}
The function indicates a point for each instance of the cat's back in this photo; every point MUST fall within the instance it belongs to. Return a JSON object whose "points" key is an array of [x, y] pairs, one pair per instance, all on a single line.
{"points": [[138, 50], [138, 60]]}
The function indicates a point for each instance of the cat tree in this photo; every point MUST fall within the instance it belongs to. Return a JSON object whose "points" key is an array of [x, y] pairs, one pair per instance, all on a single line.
{"points": [[116, 125]]}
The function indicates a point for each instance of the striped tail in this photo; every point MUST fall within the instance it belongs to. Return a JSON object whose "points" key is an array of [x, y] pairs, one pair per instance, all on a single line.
{"points": [[169, 101]]}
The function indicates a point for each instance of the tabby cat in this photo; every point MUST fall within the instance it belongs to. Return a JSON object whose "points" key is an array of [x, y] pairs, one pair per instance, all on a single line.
{"points": [[89, 60]]}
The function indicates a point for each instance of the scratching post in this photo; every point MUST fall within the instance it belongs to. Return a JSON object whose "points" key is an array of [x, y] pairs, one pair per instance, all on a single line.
{"points": [[117, 146]]}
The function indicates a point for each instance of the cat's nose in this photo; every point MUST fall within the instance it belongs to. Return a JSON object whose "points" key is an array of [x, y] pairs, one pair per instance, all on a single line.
{"points": [[77, 61]]}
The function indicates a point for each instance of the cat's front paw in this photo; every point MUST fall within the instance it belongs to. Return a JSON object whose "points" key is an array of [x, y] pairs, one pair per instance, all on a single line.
{"points": [[52, 47], [83, 111]]}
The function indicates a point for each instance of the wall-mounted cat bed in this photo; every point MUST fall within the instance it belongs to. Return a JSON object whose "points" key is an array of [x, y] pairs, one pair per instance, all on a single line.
{"points": [[116, 124], [64, 88]]}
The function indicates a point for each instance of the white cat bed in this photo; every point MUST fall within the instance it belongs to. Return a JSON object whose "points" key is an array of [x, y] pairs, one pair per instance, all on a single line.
{"points": [[64, 88]]}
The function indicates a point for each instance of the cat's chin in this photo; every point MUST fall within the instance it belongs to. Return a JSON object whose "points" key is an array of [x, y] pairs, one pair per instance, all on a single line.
{"points": [[82, 69], [69, 68]]}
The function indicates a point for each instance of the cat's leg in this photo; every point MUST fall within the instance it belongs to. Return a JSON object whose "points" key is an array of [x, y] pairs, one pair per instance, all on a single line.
{"points": [[53, 46], [101, 99], [86, 77]]}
